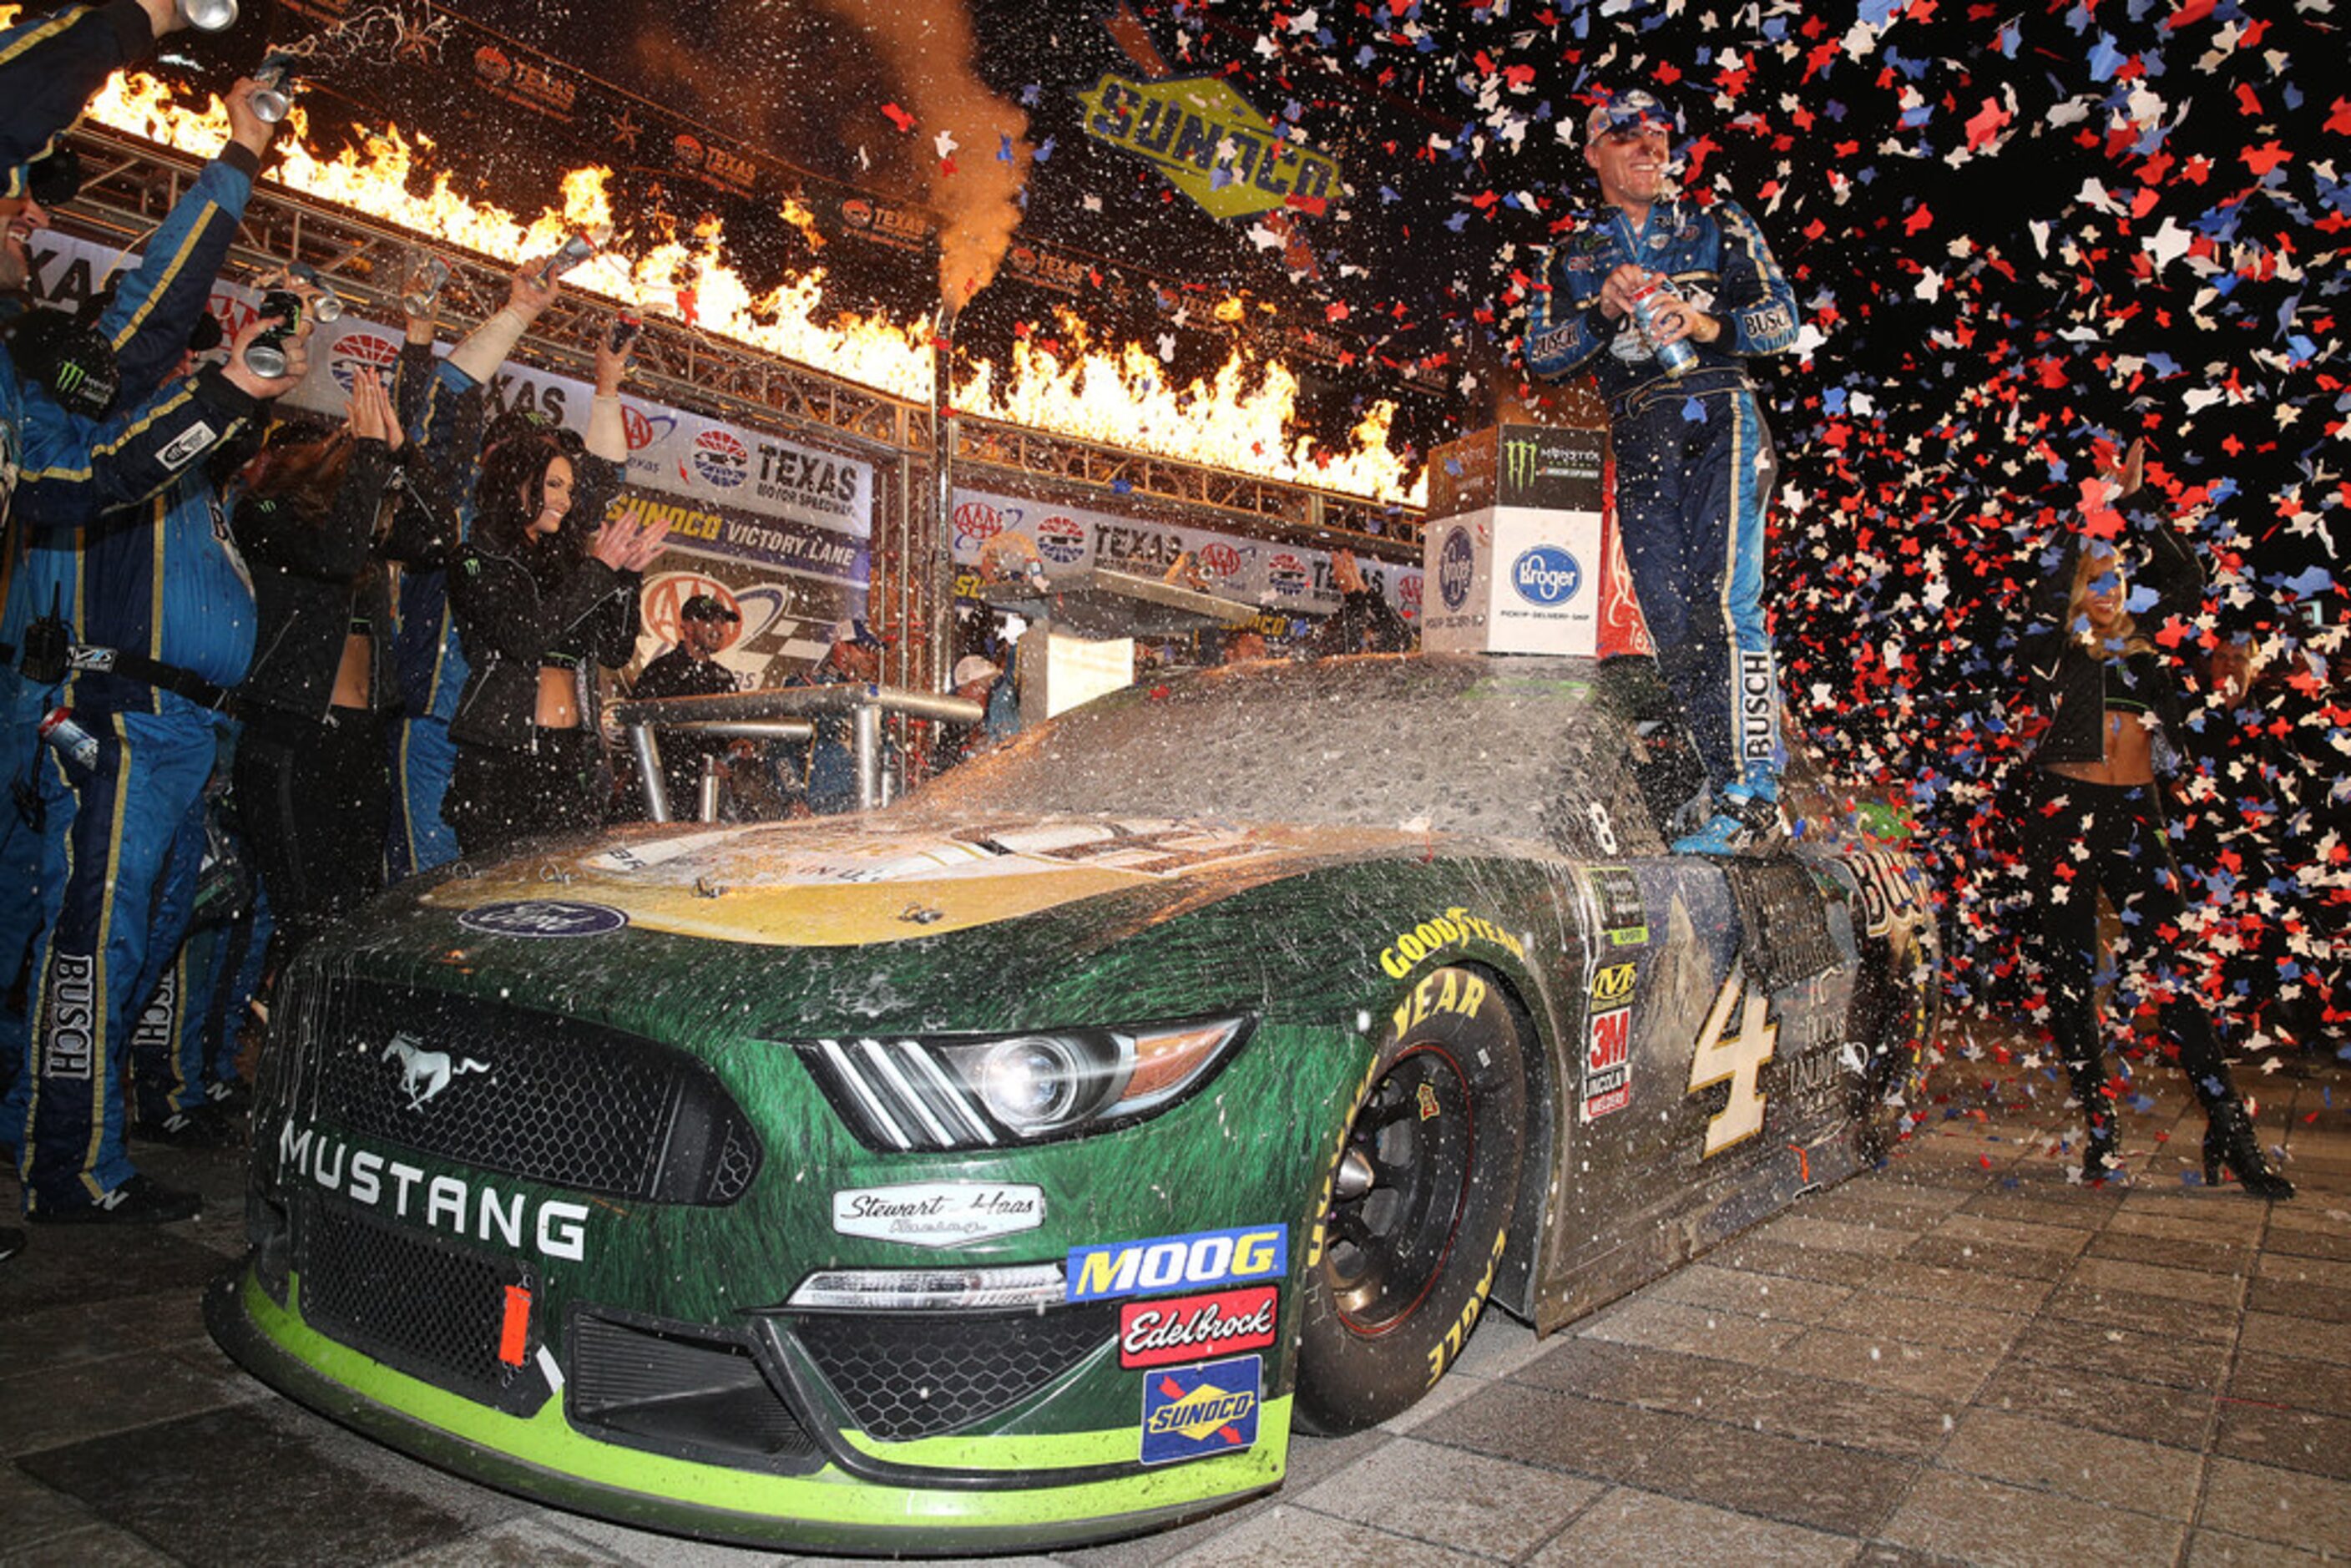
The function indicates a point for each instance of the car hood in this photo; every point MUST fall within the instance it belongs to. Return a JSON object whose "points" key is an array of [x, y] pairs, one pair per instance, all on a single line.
{"points": [[893, 877]]}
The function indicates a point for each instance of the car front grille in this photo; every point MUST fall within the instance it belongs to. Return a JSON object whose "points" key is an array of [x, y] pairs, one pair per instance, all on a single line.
{"points": [[524, 1093], [683, 1390], [906, 1375], [433, 1309]]}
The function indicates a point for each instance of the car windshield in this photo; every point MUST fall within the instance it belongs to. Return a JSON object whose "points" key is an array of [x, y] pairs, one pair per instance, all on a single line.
{"points": [[1424, 743]]}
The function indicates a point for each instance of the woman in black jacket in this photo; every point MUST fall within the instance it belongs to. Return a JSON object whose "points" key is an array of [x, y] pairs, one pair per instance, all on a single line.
{"points": [[545, 594], [2096, 822], [312, 778]]}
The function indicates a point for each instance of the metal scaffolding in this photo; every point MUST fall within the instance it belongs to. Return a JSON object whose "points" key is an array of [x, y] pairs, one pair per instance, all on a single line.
{"points": [[131, 186]]}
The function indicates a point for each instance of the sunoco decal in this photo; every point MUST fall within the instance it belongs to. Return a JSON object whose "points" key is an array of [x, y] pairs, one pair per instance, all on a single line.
{"points": [[938, 1214], [1186, 1328], [543, 917], [1196, 1412], [1203, 1258]]}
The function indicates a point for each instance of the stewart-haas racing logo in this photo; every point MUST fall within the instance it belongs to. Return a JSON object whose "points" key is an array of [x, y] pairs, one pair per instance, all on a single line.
{"points": [[469, 1210], [1186, 1328]]}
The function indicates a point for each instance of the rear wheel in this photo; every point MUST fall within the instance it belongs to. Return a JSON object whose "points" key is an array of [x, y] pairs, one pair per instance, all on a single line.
{"points": [[1417, 1205]]}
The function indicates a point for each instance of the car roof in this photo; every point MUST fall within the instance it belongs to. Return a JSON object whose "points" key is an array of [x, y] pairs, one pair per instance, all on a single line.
{"points": [[1487, 745]]}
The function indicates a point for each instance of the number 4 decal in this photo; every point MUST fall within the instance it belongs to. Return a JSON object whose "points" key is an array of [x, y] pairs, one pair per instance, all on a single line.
{"points": [[1736, 1057]]}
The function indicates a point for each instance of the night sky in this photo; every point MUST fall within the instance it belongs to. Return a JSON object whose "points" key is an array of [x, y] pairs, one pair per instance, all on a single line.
{"points": [[2021, 235]]}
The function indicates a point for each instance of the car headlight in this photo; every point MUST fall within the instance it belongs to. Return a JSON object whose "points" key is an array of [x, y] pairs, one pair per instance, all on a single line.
{"points": [[967, 1093]]}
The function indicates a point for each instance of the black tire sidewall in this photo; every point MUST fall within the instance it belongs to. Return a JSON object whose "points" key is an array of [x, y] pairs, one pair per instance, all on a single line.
{"points": [[1346, 1380]]}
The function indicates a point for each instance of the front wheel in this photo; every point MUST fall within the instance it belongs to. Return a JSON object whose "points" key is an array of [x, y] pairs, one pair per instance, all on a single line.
{"points": [[1417, 1206]]}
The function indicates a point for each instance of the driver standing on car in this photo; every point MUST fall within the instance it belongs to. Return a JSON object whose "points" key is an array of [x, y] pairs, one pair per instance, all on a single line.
{"points": [[1665, 300]]}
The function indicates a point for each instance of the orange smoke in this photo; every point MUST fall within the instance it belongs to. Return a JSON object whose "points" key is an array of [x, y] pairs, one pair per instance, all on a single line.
{"points": [[980, 143]]}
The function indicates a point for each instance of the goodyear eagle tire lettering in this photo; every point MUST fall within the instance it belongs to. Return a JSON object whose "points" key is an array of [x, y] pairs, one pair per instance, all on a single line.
{"points": [[1417, 1209]]}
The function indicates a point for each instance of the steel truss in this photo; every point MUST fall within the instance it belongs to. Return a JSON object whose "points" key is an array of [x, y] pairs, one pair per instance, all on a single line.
{"points": [[130, 184]]}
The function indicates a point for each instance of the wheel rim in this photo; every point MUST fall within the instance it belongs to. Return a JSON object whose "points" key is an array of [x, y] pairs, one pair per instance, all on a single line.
{"points": [[1416, 1135]]}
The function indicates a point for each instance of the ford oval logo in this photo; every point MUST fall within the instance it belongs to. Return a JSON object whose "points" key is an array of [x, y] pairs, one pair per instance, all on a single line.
{"points": [[543, 917], [1546, 575], [1456, 563]]}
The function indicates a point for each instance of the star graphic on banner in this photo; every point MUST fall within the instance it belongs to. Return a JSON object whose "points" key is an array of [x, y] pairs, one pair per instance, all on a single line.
{"points": [[625, 132]]}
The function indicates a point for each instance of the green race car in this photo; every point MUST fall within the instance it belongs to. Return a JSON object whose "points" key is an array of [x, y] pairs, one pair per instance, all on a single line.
{"points": [[1021, 1163]]}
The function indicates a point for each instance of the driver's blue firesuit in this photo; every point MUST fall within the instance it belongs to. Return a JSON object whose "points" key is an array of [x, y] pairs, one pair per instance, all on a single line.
{"points": [[1695, 465]]}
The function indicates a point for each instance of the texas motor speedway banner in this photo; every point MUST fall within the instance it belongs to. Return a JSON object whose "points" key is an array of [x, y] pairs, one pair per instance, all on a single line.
{"points": [[1285, 582]]}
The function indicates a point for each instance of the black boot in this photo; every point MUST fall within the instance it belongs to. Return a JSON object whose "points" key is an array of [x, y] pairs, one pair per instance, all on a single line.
{"points": [[2101, 1152], [2228, 1139]]}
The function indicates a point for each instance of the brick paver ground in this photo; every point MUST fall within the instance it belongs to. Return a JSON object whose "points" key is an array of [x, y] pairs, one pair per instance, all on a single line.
{"points": [[1961, 1359]]}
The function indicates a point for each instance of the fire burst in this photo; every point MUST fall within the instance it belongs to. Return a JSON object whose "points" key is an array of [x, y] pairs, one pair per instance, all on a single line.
{"points": [[1240, 419]]}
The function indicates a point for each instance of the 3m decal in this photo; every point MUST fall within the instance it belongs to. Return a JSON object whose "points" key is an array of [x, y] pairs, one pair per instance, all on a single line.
{"points": [[1196, 1412], [1735, 1059], [1455, 928], [1205, 1257], [938, 1214], [1186, 1328], [1608, 1042]]}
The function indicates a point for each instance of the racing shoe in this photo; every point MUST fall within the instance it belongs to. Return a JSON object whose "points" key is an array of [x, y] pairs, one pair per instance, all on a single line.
{"points": [[198, 1127], [1743, 824], [141, 1200]]}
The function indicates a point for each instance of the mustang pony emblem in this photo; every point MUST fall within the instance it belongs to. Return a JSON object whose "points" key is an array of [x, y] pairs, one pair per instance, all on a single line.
{"points": [[424, 1073]]}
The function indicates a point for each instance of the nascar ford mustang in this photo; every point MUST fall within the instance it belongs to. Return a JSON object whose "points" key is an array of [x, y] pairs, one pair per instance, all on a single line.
{"points": [[1023, 1163]]}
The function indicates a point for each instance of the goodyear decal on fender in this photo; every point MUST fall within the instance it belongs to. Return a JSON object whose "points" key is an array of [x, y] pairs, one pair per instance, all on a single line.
{"points": [[1201, 1261], [1456, 928], [1194, 1412]]}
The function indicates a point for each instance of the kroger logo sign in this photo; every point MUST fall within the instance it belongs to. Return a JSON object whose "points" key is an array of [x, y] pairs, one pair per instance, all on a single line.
{"points": [[1546, 575], [1456, 562]]}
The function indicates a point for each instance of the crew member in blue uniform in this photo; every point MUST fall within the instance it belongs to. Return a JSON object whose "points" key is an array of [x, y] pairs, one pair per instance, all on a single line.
{"points": [[1695, 465], [161, 624]]}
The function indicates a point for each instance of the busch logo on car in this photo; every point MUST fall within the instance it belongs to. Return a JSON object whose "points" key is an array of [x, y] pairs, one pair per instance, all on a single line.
{"points": [[1546, 575]]}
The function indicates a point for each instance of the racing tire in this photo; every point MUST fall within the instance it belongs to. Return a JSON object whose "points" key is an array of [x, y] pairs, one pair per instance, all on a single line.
{"points": [[1417, 1205]]}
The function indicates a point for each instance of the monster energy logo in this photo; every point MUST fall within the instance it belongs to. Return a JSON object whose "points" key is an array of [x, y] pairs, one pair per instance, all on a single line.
{"points": [[69, 376], [1519, 462]]}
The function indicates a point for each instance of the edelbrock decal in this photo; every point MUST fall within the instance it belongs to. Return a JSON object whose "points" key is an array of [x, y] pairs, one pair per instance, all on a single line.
{"points": [[543, 917], [1186, 1328], [938, 1214]]}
